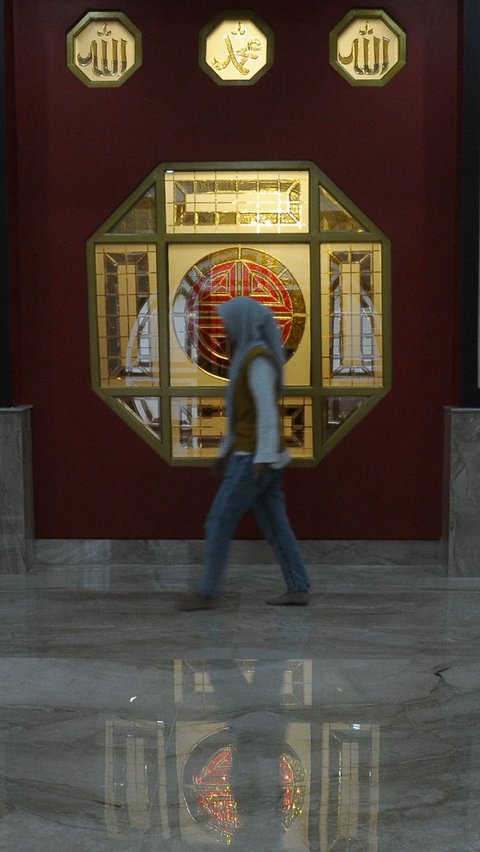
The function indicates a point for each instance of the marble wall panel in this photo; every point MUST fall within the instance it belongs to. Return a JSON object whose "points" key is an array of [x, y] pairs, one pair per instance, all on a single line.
{"points": [[190, 553], [461, 537], [16, 491]]}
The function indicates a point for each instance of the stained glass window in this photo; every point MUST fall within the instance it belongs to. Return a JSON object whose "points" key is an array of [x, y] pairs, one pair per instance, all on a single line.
{"points": [[189, 238]]}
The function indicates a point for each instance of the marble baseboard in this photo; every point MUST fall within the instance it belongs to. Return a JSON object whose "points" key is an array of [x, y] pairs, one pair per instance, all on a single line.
{"points": [[16, 491], [187, 553]]}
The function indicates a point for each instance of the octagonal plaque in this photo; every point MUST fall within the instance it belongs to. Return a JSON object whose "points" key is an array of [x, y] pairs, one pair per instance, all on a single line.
{"points": [[104, 49], [236, 48], [367, 47]]}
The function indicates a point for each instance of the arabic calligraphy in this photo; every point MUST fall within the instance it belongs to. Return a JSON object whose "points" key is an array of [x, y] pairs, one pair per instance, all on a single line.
{"points": [[368, 55], [241, 55], [238, 52], [107, 56]]}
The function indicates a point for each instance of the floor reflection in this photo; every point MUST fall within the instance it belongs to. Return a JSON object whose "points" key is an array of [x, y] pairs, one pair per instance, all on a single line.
{"points": [[244, 758]]}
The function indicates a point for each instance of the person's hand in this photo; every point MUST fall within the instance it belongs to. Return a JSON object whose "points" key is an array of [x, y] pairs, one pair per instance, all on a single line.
{"points": [[260, 470]]}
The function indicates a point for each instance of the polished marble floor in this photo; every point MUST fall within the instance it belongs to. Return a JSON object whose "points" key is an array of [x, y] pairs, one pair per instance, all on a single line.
{"points": [[352, 724]]}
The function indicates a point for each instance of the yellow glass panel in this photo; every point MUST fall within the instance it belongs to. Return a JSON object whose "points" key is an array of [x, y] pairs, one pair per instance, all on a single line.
{"points": [[199, 423], [351, 314], [334, 216], [127, 321], [203, 276], [236, 202], [146, 410], [297, 425], [141, 218]]}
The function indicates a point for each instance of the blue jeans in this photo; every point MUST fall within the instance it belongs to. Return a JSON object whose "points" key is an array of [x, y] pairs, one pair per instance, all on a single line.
{"points": [[239, 492]]}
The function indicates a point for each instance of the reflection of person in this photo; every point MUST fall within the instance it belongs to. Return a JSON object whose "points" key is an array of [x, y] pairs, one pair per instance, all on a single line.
{"points": [[251, 455], [257, 729]]}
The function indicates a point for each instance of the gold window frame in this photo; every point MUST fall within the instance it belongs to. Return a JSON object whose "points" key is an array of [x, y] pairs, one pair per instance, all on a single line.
{"points": [[317, 414]]}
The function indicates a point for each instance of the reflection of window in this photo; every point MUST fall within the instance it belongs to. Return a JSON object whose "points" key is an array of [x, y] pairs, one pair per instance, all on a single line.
{"points": [[350, 785], [209, 774], [188, 239]]}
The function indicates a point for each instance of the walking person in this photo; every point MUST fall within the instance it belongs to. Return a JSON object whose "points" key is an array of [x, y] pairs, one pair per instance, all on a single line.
{"points": [[252, 456]]}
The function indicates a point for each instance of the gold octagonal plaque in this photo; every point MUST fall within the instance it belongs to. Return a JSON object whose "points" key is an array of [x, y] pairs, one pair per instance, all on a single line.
{"points": [[104, 49], [236, 48], [367, 47]]}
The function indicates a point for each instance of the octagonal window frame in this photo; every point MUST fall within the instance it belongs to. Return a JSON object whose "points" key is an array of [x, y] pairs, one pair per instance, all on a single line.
{"points": [[335, 407]]}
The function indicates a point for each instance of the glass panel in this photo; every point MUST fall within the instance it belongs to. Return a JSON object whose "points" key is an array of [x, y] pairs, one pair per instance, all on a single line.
{"points": [[334, 216], [145, 409], [141, 218], [336, 410], [198, 425], [127, 314], [297, 425], [351, 298], [236, 202], [199, 282]]}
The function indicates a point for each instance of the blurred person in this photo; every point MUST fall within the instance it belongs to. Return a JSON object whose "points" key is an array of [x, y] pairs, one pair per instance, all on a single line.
{"points": [[252, 456]]}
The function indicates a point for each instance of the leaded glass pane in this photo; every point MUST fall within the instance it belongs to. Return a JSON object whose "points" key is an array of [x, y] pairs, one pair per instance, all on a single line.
{"points": [[351, 298], [145, 409], [198, 425], [336, 410], [334, 216], [297, 425], [200, 282], [141, 218], [201, 202], [127, 320]]}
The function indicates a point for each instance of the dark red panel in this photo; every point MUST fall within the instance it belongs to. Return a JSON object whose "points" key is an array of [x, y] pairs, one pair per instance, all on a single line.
{"points": [[81, 151]]}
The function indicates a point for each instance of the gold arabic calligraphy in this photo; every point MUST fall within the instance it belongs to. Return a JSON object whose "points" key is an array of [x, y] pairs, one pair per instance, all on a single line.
{"points": [[360, 53], [238, 56], [98, 57]]}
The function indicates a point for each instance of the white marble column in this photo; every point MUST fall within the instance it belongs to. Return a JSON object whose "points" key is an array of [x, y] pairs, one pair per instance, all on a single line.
{"points": [[462, 492], [16, 491]]}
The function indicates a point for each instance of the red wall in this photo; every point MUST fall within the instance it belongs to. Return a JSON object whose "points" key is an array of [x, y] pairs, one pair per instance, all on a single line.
{"points": [[80, 151]]}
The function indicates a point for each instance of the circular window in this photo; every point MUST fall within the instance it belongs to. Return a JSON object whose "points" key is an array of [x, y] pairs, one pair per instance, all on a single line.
{"points": [[220, 276]]}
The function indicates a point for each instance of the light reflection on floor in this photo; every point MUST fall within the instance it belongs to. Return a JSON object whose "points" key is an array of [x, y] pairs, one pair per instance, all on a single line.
{"points": [[348, 725]]}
